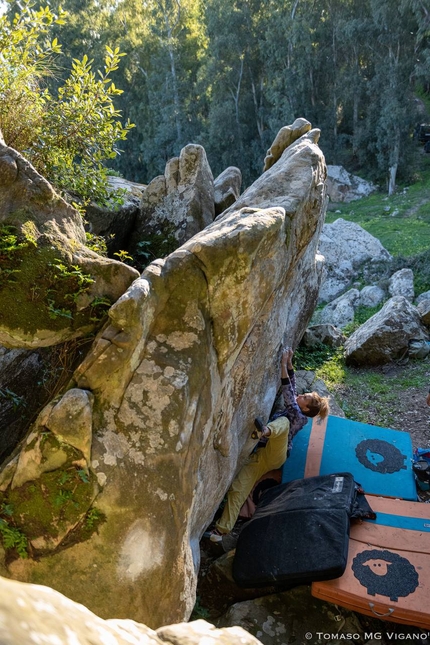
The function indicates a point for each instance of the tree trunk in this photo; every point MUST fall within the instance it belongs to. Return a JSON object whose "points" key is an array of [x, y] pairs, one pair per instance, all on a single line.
{"points": [[392, 171]]}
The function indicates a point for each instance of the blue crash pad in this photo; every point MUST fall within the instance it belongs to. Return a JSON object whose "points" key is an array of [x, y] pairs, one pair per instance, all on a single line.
{"points": [[380, 459]]}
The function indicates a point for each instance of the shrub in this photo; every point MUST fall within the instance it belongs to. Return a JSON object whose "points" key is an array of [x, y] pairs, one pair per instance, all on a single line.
{"points": [[68, 136]]}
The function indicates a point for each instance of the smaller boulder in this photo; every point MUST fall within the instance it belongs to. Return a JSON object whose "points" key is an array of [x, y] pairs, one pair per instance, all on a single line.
{"points": [[386, 335], [371, 296], [227, 188], [344, 187], [401, 283], [325, 334], [340, 312], [71, 420], [335, 280], [423, 308], [422, 296]]}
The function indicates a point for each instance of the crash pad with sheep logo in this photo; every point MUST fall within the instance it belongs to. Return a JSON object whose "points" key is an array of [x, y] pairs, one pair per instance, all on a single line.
{"points": [[385, 573], [380, 456]]}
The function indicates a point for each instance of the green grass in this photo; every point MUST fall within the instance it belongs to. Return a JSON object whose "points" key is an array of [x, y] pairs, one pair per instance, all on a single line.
{"points": [[401, 222]]}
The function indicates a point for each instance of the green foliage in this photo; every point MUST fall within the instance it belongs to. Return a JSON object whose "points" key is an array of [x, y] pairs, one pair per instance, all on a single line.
{"points": [[7, 395], [314, 357], [69, 135], [83, 475], [199, 612], [93, 518], [361, 314], [12, 537], [96, 243], [12, 246]]}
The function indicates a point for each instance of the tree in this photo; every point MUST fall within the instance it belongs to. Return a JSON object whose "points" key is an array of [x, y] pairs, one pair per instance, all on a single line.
{"points": [[67, 137]]}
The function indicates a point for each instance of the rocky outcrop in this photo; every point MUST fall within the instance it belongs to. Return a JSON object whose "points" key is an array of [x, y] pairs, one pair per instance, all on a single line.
{"points": [[51, 285], [385, 336], [169, 393], [177, 205], [344, 187], [285, 137], [227, 188], [35, 614], [347, 248]]}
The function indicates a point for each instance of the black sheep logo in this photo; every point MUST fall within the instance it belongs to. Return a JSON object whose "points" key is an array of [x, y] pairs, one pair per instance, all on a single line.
{"points": [[380, 456], [385, 573]]}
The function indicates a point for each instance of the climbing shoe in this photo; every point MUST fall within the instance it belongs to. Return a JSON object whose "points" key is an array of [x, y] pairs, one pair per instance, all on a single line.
{"points": [[259, 425]]}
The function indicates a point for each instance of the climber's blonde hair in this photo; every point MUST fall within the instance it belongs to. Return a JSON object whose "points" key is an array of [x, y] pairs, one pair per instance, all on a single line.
{"points": [[318, 406]]}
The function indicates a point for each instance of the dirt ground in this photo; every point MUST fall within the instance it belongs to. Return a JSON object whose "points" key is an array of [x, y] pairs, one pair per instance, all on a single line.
{"points": [[402, 407]]}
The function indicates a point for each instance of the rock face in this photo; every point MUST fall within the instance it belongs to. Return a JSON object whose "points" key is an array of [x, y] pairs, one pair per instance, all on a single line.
{"points": [[51, 284], [28, 379], [116, 222], [386, 335], [169, 393], [36, 614], [346, 248], [177, 205], [285, 137], [227, 188], [279, 619], [344, 187]]}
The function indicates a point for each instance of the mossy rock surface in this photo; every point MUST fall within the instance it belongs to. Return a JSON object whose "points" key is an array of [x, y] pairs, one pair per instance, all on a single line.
{"points": [[54, 504]]}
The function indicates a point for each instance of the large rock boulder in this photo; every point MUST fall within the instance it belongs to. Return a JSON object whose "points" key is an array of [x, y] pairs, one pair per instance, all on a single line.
{"points": [[344, 187], [169, 393], [347, 248], [177, 205], [51, 284], [227, 188], [385, 336], [36, 614]]}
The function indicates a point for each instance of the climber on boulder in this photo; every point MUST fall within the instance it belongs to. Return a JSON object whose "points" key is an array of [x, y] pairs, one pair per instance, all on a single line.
{"points": [[279, 432]]}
